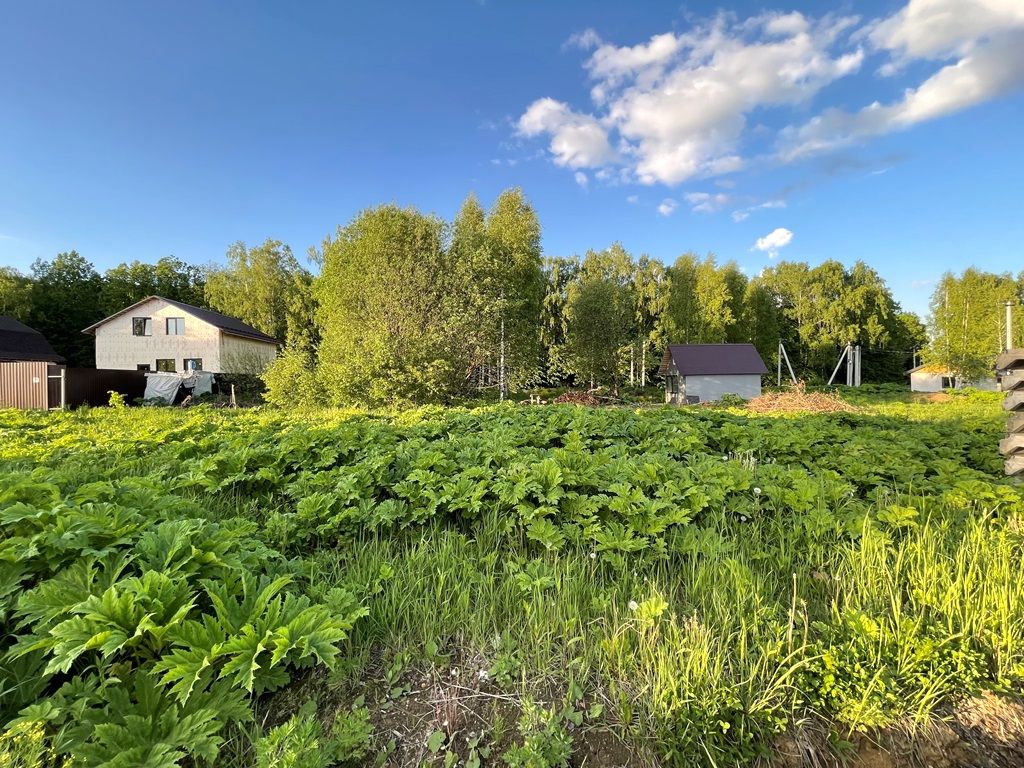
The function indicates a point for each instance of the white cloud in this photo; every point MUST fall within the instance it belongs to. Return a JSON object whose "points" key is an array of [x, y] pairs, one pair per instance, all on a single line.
{"points": [[985, 36], [927, 29], [668, 206], [577, 141], [679, 102], [676, 106], [587, 39], [633, 199], [581, 179], [705, 202], [744, 213], [773, 242]]}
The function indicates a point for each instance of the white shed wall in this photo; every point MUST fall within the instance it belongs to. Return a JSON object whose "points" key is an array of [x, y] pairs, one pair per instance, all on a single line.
{"points": [[711, 388], [931, 381]]}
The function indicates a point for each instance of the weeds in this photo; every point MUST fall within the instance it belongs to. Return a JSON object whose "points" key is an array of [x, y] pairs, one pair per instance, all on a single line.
{"points": [[696, 582]]}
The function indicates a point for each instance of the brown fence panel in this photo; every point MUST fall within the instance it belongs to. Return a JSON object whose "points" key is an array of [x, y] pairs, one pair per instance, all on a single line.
{"points": [[23, 385], [53, 377], [92, 386]]}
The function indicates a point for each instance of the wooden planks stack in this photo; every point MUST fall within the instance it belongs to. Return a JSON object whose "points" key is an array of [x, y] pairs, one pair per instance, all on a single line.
{"points": [[1011, 363]]}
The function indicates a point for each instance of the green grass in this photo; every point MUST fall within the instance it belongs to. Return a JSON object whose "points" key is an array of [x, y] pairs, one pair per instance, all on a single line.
{"points": [[694, 582]]}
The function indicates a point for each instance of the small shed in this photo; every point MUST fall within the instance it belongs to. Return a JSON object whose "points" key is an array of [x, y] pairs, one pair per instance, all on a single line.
{"points": [[700, 373], [935, 378], [27, 362]]}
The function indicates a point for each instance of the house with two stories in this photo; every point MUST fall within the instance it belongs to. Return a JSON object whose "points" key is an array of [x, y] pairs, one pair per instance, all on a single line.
{"points": [[160, 334]]}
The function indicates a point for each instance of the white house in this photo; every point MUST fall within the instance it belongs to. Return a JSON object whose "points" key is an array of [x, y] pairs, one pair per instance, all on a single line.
{"points": [[698, 373], [935, 378], [158, 334]]}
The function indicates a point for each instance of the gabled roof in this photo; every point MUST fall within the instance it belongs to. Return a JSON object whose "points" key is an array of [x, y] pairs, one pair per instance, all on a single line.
{"points": [[19, 342], [227, 324], [714, 359]]}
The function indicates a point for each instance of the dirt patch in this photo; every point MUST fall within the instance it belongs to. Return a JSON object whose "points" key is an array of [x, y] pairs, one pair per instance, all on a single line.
{"points": [[426, 714], [932, 397], [983, 732], [797, 398]]}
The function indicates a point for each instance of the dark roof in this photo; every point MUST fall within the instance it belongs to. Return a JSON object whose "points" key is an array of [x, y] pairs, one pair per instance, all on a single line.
{"points": [[229, 325], [19, 342], [714, 359]]}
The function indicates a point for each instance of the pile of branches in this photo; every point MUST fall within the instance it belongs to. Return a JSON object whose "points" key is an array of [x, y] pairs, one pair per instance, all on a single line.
{"points": [[590, 397], [797, 398]]}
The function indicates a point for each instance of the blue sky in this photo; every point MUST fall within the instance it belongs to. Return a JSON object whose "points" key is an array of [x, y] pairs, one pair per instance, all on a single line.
{"points": [[132, 131]]}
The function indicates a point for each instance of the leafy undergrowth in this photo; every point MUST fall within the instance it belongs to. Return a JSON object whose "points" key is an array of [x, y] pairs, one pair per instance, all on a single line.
{"points": [[680, 586]]}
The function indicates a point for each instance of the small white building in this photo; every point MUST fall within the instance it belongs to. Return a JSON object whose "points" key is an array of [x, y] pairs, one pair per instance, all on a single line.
{"points": [[699, 373], [935, 378], [158, 334]]}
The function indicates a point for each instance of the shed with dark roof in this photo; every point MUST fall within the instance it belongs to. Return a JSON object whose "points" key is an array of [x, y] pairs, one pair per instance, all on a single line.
{"points": [[19, 343], [26, 362], [698, 373]]}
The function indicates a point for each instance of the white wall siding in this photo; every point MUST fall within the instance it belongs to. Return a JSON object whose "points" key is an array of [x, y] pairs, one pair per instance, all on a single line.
{"points": [[711, 388], [118, 348], [241, 355], [931, 381]]}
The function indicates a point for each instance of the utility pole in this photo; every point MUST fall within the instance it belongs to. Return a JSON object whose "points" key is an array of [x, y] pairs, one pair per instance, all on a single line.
{"points": [[846, 351], [789, 365], [1009, 325]]}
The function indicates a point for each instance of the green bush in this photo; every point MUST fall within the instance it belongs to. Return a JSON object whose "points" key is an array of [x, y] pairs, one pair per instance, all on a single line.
{"points": [[137, 631]]}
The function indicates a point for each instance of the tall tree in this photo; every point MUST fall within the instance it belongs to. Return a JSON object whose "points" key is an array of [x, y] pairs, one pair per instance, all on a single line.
{"points": [[736, 283], [601, 315], [700, 303], [759, 322], [264, 286], [15, 294], [967, 321], [381, 293], [475, 301], [561, 272], [171, 278], [65, 300], [651, 296], [513, 237]]}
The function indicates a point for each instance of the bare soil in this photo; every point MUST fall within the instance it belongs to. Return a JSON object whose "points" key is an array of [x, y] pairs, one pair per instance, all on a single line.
{"points": [[986, 731]]}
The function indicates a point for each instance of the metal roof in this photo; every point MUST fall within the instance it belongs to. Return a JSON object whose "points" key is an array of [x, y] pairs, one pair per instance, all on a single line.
{"points": [[229, 325], [19, 342], [714, 359]]}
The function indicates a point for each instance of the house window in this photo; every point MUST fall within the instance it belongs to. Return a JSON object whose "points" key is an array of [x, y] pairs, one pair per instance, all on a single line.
{"points": [[193, 363], [143, 367], [167, 366], [142, 326], [949, 382], [175, 326], [672, 382]]}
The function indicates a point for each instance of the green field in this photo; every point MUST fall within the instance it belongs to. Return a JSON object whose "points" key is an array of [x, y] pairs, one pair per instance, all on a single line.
{"points": [[509, 585]]}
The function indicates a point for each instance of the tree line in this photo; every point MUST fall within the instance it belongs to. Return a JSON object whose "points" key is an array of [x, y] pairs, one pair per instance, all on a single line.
{"points": [[402, 306]]}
